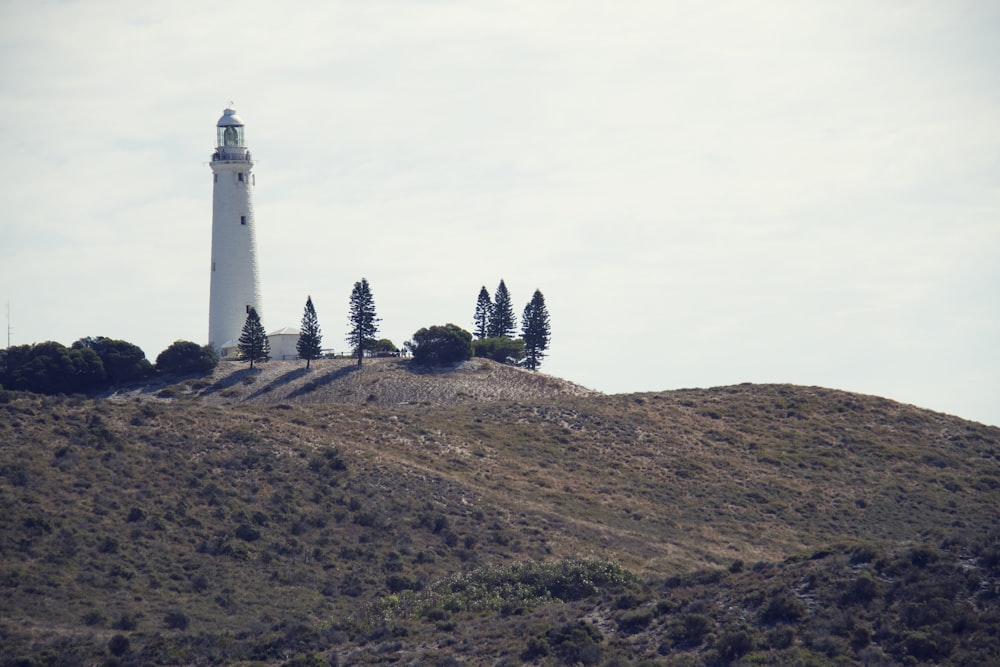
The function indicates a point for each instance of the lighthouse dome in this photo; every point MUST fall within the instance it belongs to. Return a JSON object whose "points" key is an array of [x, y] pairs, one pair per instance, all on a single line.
{"points": [[229, 117]]}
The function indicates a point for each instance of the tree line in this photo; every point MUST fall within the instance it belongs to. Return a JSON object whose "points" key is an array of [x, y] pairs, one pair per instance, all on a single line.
{"points": [[253, 345], [94, 363], [494, 322], [494, 326]]}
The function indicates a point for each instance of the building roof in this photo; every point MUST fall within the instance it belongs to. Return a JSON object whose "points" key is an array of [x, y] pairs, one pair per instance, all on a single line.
{"points": [[286, 331], [229, 117]]}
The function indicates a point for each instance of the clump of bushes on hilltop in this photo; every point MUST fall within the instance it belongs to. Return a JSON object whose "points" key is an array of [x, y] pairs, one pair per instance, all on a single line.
{"points": [[94, 363]]}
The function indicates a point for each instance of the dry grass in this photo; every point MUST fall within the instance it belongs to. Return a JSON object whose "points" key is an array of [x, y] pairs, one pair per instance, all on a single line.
{"points": [[379, 382], [272, 508]]}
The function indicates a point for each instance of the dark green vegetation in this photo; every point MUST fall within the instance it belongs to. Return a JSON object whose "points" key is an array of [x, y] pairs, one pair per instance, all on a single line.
{"points": [[502, 323], [441, 345], [310, 342], [253, 344], [535, 330], [495, 325], [363, 320], [183, 357], [94, 363], [89, 364], [122, 361], [501, 350], [384, 347], [484, 311], [743, 525]]}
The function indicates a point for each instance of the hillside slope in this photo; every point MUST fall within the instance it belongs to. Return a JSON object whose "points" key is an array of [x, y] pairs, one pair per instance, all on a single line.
{"points": [[381, 382], [201, 532]]}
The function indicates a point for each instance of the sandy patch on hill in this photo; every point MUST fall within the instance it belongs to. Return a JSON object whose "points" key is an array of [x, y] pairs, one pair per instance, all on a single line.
{"points": [[384, 382]]}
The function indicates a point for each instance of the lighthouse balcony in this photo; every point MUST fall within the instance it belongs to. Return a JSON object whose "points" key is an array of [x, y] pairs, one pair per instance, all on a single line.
{"points": [[231, 155]]}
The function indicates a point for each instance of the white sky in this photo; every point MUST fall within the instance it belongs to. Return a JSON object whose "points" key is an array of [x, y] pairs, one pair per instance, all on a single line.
{"points": [[706, 193]]}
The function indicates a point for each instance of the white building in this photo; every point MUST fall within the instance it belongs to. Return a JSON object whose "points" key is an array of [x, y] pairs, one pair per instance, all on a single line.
{"points": [[283, 343], [235, 285]]}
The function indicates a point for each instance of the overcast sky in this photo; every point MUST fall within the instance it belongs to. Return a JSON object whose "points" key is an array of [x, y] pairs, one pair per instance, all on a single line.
{"points": [[706, 193]]}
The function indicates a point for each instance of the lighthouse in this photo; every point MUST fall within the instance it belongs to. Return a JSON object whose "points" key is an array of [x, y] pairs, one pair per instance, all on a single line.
{"points": [[235, 284]]}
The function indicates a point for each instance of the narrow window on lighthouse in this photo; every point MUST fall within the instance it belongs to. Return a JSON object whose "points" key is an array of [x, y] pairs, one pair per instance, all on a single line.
{"points": [[215, 178], [243, 220], [241, 177]]}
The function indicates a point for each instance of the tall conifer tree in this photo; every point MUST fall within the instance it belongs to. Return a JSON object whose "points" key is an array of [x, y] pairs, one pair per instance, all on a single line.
{"points": [[502, 322], [535, 330], [484, 311], [253, 344], [309, 345], [364, 323]]}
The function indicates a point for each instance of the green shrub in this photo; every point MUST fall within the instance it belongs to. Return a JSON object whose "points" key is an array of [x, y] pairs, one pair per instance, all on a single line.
{"points": [[861, 591], [397, 583], [184, 357], [125, 622], [51, 368], [734, 644], [508, 588], [694, 628], [384, 347], [122, 361], [118, 645], [863, 554], [928, 646], [441, 345], [635, 621], [502, 350], [176, 620], [922, 556], [93, 617], [783, 607], [780, 638], [576, 643], [247, 533]]}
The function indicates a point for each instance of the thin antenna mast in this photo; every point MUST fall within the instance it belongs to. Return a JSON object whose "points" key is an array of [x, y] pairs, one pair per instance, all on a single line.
{"points": [[9, 329]]}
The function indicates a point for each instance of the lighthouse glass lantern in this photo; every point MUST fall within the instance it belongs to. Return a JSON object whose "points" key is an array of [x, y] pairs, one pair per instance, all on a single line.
{"points": [[230, 134]]}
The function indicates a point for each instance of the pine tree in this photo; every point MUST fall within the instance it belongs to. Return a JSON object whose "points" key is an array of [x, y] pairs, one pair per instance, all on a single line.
{"points": [[484, 311], [364, 323], [535, 330], [502, 322], [253, 344], [310, 338]]}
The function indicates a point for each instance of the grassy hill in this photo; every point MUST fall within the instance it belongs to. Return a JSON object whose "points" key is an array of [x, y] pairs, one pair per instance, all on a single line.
{"points": [[487, 515], [379, 382]]}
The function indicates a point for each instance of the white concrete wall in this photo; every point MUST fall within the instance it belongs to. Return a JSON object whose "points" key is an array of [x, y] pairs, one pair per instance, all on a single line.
{"points": [[283, 346], [235, 283]]}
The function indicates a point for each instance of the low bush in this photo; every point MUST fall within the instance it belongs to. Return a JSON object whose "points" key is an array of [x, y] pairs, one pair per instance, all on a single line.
{"points": [[118, 645], [502, 350], [576, 643], [635, 621], [693, 629], [183, 357], [441, 345], [176, 620], [734, 644], [783, 607]]}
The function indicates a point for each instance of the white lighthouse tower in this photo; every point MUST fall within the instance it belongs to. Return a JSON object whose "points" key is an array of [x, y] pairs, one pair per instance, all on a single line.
{"points": [[235, 278]]}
